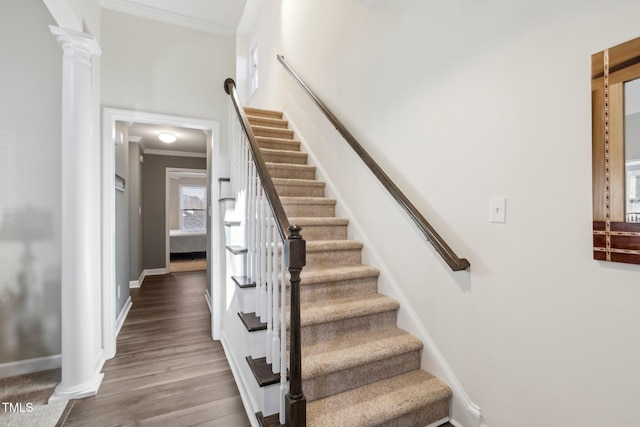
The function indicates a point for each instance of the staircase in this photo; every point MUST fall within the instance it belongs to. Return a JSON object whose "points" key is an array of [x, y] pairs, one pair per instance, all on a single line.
{"points": [[358, 368]]}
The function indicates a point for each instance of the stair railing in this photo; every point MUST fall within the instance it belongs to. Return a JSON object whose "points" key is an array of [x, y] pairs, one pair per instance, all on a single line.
{"points": [[455, 263], [273, 246]]}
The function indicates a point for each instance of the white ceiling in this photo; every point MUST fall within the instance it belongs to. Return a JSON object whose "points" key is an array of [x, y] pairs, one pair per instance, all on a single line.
{"points": [[214, 16], [191, 142]]}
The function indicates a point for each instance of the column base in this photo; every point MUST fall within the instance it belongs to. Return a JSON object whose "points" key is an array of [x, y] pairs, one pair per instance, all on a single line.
{"points": [[87, 389]]}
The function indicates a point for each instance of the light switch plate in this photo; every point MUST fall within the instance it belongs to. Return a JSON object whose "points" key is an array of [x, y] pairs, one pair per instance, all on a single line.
{"points": [[498, 209]]}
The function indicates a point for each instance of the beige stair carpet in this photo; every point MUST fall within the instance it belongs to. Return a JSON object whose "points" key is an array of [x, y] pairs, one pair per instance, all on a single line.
{"points": [[358, 368]]}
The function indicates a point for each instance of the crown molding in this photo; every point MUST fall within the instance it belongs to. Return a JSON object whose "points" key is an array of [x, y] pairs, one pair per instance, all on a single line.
{"points": [[174, 153], [156, 14]]}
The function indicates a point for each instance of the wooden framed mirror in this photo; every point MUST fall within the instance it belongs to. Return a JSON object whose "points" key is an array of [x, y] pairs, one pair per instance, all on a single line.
{"points": [[615, 102]]}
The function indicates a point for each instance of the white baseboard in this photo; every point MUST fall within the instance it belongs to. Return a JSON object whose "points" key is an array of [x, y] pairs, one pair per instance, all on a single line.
{"points": [[473, 412], [249, 405], [438, 423], [79, 392], [207, 297], [137, 283], [29, 366], [154, 272], [123, 315]]}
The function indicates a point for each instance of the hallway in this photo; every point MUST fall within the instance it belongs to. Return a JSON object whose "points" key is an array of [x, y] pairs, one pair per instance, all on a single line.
{"points": [[167, 370]]}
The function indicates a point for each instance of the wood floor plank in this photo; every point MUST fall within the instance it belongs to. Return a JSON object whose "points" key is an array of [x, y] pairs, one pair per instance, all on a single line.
{"points": [[168, 370]]}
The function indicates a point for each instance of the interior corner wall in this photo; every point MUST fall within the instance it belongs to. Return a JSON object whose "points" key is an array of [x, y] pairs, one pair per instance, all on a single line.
{"points": [[154, 205], [135, 211], [460, 102], [30, 189]]}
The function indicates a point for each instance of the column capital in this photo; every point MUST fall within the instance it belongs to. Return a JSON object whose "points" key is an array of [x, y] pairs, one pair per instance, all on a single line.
{"points": [[81, 43]]}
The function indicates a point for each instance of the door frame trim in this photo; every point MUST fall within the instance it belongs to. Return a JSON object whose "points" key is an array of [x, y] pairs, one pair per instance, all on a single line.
{"points": [[109, 118]]}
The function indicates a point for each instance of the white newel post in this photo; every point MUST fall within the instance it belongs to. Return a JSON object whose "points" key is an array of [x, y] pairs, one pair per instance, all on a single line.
{"points": [[82, 356]]}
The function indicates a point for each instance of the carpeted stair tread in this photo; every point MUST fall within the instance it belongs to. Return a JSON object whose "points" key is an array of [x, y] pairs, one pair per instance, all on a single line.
{"points": [[298, 182], [304, 206], [289, 200], [320, 312], [284, 144], [348, 272], [333, 245], [318, 220], [272, 132], [321, 227], [284, 156], [290, 170], [261, 112], [349, 352], [267, 121], [382, 402]]}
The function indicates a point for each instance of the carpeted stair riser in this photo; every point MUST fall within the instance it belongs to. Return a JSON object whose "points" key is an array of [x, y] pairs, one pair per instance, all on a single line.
{"points": [[349, 379], [332, 290], [322, 256], [359, 369], [284, 156], [288, 171], [278, 144], [272, 132], [298, 187], [319, 228], [308, 206], [268, 122], [312, 334], [258, 112], [336, 283], [344, 364], [414, 399]]}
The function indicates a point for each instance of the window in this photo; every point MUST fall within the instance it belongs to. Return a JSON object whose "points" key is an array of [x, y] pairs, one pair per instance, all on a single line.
{"points": [[253, 70], [193, 207]]}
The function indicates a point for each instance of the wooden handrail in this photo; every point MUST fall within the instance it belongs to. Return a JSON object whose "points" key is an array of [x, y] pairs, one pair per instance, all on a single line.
{"points": [[295, 255], [282, 222], [456, 263]]}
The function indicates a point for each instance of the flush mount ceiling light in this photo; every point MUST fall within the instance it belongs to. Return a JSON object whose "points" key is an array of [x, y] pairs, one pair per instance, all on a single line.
{"points": [[167, 137]]}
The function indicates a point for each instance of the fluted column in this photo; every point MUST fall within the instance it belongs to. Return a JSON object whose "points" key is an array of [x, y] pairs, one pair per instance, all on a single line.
{"points": [[82, 357]]}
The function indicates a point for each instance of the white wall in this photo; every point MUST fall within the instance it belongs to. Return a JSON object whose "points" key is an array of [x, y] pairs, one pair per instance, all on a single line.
{"points": [[134, 186], [458, 102], [30, 149], [123, 235], [155, 67]]}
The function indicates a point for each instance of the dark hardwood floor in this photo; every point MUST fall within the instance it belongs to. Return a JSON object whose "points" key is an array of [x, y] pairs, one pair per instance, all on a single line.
{"points": [[167, 371]]}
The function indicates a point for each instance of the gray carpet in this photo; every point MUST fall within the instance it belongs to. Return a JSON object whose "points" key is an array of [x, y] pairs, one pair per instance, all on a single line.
{"points": [[34, 389]]}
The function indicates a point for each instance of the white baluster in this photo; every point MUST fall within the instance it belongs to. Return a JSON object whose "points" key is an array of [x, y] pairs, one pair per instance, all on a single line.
{"points": [[250, 223], [263, 258], [275, 345], [269, 280], [256, 247]]}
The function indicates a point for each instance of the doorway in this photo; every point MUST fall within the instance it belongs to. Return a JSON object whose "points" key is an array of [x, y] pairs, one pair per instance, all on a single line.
{"points": [[186, 228], [111, 318]]}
